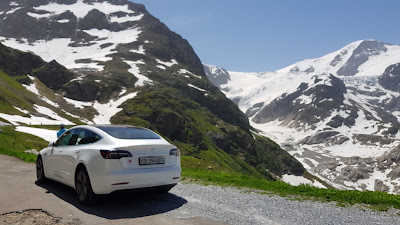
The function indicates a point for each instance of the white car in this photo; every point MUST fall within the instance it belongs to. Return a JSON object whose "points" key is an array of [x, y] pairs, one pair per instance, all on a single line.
{"points": [[101, 159]]}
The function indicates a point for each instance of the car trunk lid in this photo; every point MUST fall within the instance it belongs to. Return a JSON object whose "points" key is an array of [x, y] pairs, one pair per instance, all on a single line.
{"points": [[148, 156]]}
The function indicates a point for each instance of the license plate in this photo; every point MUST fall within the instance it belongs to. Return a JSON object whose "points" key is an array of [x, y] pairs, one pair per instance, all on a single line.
{"points": [[152, 160]]}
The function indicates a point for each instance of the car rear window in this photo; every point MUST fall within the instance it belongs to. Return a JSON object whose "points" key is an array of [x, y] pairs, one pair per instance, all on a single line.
{"points": [[129, 132]]}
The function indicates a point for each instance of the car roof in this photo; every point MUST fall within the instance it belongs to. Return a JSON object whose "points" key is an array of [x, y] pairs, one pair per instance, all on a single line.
{"points": [[115, 125]]}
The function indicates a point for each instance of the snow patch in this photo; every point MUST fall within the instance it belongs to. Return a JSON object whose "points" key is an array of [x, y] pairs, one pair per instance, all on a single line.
{"points": [[184, 71], [47, 135], [138, 51], [21, 110], [161, 67], [298, 180], [38, 16], [50, 113], [168, 64], [127, 18], [192, 86], [33, 120], [48, 101], [32, 87], [13, 10], [108, 110], [78, 104], [136, 72], [63, 21]]}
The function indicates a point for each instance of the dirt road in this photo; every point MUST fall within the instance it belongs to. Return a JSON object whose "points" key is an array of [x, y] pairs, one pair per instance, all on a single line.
{"points": [[19, 191]]}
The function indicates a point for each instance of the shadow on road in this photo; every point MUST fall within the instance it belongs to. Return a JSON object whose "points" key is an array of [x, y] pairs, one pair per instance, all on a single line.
{"points": [[121, 205]]}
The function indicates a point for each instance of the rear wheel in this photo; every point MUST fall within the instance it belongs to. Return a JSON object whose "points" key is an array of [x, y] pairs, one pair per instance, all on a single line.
{"points": [[39, 170], [84, 190]]}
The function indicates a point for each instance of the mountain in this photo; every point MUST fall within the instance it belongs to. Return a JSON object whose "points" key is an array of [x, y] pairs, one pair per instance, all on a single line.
{"points": [[338, 115], [110, 61]]}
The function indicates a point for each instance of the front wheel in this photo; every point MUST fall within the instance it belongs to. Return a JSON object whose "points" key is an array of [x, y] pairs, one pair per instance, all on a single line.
{"points": [[84, 190], [39, 170]]}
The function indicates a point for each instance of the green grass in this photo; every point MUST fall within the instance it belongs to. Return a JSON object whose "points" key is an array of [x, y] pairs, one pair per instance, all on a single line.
{"points": [[14, 143], [373, 199]]}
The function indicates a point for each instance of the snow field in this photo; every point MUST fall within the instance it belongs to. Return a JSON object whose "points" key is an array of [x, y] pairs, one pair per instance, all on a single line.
{"points": [[59, 49], [80, 9], [48, 135]]}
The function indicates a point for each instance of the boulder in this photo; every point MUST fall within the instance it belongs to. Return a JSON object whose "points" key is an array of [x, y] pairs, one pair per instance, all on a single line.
{"points": [[32, 151]]}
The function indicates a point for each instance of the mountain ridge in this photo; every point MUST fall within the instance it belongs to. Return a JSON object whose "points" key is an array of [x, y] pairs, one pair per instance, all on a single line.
{"points": [[329, 110]]}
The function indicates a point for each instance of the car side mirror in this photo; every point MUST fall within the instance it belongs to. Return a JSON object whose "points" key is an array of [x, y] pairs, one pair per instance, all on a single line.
{"points": [[51, 144]]}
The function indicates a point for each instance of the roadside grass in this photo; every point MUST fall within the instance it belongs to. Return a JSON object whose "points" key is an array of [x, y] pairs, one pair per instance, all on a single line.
{"points": [[375, 200], [14, 143], [51, 127]]}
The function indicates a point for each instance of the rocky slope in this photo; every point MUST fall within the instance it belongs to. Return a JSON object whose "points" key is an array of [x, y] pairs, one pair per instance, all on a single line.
{"points": [[338, 114], [110, 61]]}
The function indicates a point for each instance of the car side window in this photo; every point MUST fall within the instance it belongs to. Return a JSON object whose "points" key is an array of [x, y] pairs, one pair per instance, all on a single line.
{"points": [[75, 136], [64, 139], [88, 137]]}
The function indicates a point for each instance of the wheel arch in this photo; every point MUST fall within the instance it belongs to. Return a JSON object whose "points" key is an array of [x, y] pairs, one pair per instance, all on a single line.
{"points": [[80, 166]]}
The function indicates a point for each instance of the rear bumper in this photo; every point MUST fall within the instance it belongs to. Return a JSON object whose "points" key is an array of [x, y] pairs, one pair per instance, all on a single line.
{"points": [[135, 178]]}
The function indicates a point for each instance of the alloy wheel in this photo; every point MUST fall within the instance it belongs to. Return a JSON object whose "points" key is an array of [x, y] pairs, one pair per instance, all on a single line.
{"points": [[81, 186]]}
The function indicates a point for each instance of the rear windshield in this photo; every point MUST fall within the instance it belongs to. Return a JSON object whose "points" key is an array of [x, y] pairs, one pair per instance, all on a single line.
{"points": [[129, 133]]}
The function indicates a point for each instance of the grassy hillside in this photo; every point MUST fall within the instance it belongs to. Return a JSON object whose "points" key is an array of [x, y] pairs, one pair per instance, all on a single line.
{"points": [[14, 143], [199, 133], [13, 94]]}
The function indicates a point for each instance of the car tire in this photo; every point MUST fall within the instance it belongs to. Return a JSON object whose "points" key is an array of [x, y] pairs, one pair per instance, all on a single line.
{"points": [[40, 170], [84, 191]]}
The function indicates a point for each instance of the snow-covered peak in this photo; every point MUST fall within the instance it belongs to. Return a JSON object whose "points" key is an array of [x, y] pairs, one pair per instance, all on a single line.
{"points": [[360, 58], [216, 75]]}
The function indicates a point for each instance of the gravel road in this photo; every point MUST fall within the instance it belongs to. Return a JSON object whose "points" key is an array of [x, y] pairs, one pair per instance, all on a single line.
{"points": [[23, 201], [234, 206]]}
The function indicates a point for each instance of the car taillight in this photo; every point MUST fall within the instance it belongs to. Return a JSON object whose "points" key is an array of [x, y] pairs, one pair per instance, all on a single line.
{"points": [[115, 154], [175, 152]]}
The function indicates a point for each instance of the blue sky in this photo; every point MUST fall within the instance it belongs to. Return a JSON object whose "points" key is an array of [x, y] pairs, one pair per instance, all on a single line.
{"points": [[267, 35]]}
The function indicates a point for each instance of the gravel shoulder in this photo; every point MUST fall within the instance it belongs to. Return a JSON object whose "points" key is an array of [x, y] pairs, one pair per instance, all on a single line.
{"points": [[234, 206], [23, 201]]}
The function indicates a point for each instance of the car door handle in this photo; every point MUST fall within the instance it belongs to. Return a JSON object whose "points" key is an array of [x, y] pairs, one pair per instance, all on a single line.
{"points": [[77, 151]]}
